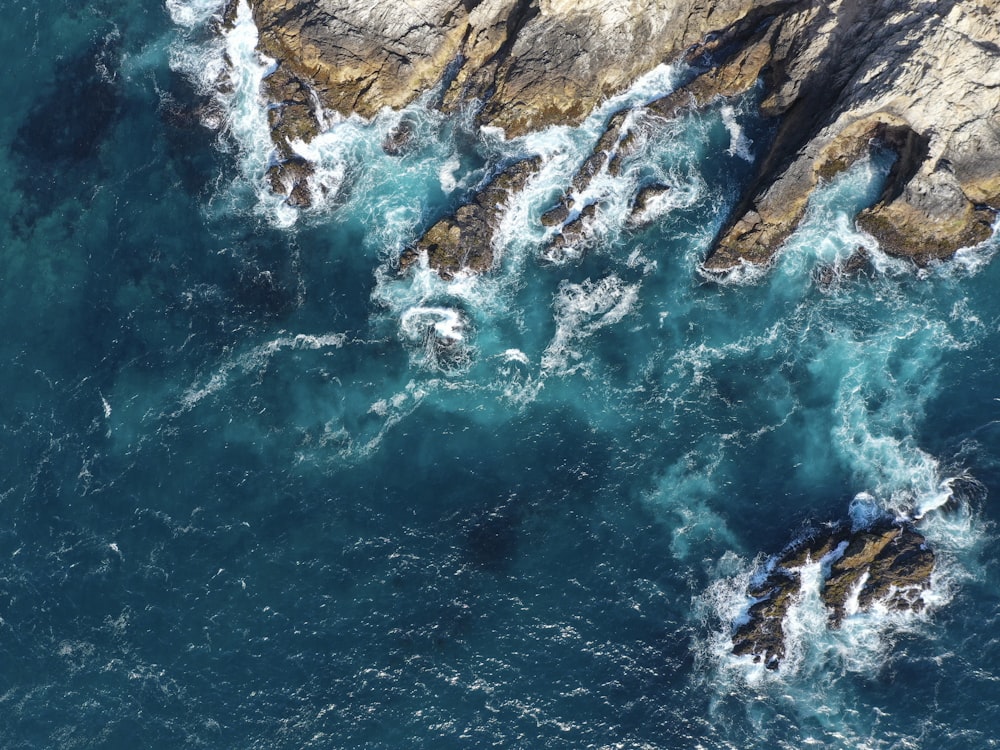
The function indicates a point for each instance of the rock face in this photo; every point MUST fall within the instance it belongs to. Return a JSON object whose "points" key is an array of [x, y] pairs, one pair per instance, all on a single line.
{"points": [[919, 78], [888, 564], [533, 62], [839, 78]]}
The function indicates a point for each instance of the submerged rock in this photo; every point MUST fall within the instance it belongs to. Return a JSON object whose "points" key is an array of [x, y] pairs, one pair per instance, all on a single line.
{"points": [[887, 564], [464, 240]]}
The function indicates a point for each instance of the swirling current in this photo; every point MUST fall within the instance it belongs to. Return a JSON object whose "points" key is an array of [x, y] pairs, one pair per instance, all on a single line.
{"points": [[262, 490]]}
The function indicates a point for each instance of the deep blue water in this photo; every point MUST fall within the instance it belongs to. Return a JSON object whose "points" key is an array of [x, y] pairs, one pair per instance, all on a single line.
{"points": [[259, 490]]}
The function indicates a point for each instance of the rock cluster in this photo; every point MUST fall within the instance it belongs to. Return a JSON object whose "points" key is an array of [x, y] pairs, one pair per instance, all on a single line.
{"points": [[888, 563], [839, 78]]}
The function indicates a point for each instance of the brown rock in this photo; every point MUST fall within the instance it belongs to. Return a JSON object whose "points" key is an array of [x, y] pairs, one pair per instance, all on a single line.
{"points": [[574, 234], [640, 206], [890, 562], [292, 114], [464, 240], [533, 62], [291, 179], [894, 74], [762, 636], [926, 75]]}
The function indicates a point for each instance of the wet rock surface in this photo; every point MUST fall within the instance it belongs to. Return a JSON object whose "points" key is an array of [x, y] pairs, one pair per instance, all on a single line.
{"points": [[920, 80], [886, 564], [858, 264], [401, 139], [291, 179], [643, 204], [838, 78], [573, 235], [533, 62], [464, 240]]}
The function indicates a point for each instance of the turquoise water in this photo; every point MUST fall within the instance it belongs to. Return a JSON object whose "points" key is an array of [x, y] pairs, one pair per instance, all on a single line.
{"points": [[262, 491]]}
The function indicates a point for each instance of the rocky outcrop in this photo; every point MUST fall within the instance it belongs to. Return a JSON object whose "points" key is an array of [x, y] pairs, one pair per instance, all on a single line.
{"points": [[532, 62], [642, 207], [920, 79], [839, 78], [887, 564], [464, 240], [858, 264]]}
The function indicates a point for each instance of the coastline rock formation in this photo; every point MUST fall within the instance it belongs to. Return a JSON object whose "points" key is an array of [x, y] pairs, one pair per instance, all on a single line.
{"points": [[888, 564], [464, 240], [839, 78]]}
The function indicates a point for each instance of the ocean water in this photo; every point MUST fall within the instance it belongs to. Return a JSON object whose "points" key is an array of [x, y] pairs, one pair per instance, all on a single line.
{"points": [[259, 490]]}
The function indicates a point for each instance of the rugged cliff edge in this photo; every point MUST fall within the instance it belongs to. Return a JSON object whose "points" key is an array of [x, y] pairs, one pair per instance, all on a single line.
{"points": [[919, 77]]}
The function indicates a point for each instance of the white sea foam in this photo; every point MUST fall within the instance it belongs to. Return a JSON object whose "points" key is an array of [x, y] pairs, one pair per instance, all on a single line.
{"points": [[516, 355], [828, 234], [252, 361], [739, 144], [438, 338], [233, 57], [444, 322], [356, 444], [448, 174], [814, 650], [580, 311], [865, 511], [969, 261], [191, 13]]}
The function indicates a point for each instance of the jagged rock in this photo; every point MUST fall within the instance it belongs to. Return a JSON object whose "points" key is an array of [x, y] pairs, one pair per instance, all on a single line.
{"points": [[291, 116], [735, 70], [762, 635], [640, 215], [400, 139], [553, 59], [604, 153], [556, 217], [858, 264], [838, 75], [464, 240], [575, 233], [291, 179], [922, 80], [887, 563], [225, 19]]}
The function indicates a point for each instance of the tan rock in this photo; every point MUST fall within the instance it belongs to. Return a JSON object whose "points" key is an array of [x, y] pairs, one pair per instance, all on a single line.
{"points": [[929, 82], [840, 76]]}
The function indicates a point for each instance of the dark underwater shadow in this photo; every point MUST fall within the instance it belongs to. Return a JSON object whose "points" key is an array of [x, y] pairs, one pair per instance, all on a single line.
{"points": [[57, 147]]}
